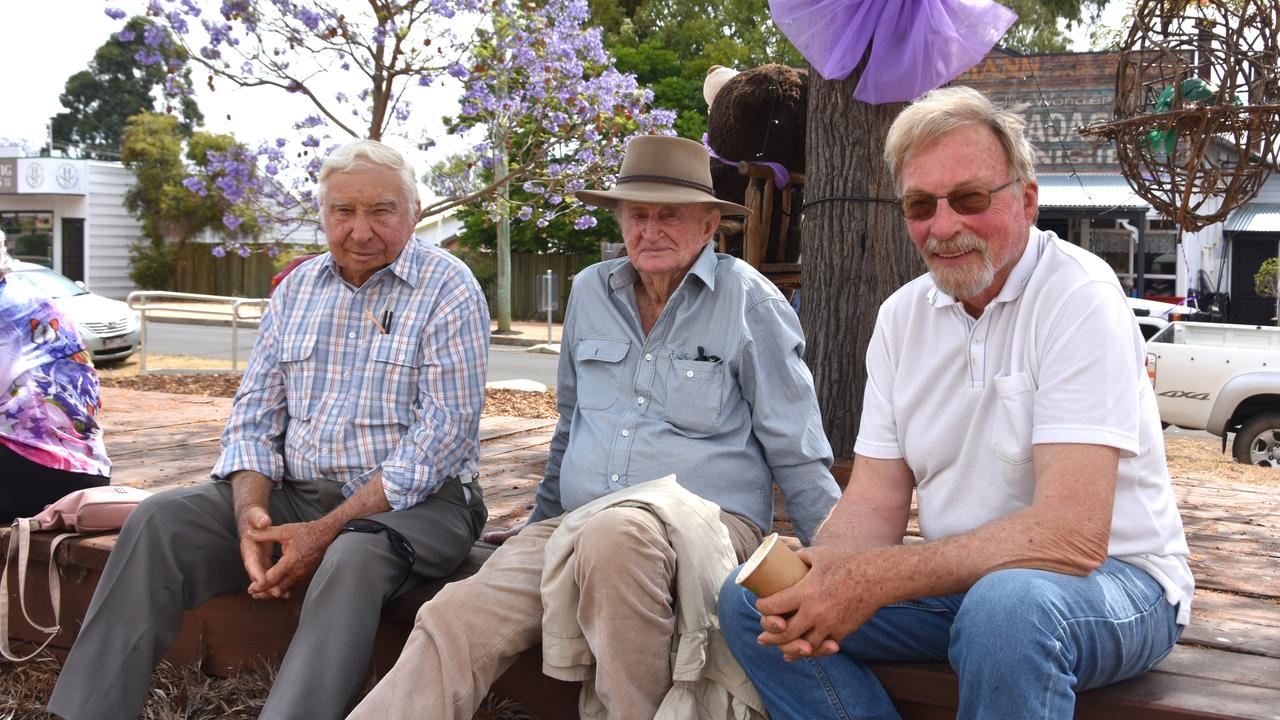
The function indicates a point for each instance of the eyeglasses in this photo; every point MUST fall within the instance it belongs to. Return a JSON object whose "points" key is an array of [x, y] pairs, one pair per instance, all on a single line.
{"points": [[963, 201], [401, 546]]}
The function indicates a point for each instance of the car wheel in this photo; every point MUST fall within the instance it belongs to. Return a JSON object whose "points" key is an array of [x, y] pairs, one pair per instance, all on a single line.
{"points": [[1258, 441]]}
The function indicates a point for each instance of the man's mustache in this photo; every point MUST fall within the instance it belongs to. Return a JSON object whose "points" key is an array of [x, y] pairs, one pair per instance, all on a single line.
{"points": [[955, 245]]}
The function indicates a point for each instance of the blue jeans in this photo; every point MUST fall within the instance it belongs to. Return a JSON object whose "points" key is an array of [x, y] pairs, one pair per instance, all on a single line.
{"points": [[1022, 642]]}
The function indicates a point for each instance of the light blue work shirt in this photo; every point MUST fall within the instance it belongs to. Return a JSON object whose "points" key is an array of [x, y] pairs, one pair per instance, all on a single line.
{"points": [[717, 393]]}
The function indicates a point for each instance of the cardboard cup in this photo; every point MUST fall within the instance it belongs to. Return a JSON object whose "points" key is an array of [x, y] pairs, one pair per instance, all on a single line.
{"points": [[773, 567]]}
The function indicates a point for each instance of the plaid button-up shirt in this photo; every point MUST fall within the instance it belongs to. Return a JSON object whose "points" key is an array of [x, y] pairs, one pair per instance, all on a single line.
{"points": [[329, 396]]}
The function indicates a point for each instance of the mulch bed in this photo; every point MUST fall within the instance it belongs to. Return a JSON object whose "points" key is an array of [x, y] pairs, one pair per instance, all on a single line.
{"points": [[514, 403], [180, 693]]}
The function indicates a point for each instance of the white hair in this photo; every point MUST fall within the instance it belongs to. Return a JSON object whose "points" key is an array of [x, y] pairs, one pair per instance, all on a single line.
{"points": [[364, 155], [5, 266]]}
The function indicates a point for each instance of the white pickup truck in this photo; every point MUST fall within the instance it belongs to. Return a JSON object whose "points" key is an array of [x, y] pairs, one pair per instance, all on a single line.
{"points": [[1222, 379]]}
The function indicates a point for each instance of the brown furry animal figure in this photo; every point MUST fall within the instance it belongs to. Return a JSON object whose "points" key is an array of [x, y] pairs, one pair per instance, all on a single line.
{"points": [[758, 115]]}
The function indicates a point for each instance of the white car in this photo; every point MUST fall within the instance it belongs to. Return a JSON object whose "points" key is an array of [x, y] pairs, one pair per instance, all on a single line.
{"points": [[108, 328], [1153, 315]]}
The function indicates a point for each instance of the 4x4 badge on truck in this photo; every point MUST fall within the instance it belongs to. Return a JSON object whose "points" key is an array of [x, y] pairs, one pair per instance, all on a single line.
{"points": [[1184, 394]]}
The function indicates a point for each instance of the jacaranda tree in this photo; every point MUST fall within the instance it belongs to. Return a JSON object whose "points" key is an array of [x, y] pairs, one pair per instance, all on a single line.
{"points": [[540, 95], [552, 114]]}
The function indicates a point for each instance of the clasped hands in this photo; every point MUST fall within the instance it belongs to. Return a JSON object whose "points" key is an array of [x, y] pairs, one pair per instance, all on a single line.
{"points": [[836, 596], [302, 547]]}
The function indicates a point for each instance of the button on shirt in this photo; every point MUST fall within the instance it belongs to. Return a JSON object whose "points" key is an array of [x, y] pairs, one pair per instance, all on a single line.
{"points": [[717, 393], [329, 396]]}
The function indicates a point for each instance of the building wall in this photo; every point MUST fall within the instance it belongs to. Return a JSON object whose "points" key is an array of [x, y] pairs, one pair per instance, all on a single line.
{"points": [[62, 206], [109, 230], [1270, 190]]}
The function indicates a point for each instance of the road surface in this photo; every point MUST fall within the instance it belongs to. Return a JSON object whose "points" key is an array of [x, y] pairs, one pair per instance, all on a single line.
{"points": [[214, 342]]}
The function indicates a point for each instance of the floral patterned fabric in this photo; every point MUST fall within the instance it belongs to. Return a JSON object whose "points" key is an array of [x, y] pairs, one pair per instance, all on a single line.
{"points": [[48, 387]]}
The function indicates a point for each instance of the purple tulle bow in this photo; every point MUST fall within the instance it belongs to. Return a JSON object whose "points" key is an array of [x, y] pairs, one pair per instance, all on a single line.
{"points": [[916, 45]]}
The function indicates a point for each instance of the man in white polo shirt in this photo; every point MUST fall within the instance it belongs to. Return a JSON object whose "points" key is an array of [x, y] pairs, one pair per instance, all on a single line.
{"points": [[1006, 388]]}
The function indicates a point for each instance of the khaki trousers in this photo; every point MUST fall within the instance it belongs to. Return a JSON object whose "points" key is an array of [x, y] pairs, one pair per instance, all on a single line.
{"points": [[470, 633]]}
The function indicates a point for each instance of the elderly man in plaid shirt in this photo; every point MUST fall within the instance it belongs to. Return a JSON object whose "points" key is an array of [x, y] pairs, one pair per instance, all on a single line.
{"points": [[352, 445]]}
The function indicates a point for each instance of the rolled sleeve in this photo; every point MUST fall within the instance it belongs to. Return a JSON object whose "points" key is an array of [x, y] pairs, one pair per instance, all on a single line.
{"points": [[254, 435], [445, 434], [786, 419]]}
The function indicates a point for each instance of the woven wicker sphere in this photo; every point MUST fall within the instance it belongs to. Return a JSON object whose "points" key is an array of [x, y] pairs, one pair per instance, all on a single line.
{"points": [[1197, 77]]}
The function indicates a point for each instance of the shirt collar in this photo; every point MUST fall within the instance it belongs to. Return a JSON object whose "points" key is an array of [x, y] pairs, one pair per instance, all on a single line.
{"points": [[704, 268], [1013, 285]]}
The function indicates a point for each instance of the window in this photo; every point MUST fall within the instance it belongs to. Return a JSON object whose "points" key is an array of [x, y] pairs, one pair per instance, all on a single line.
{"points": [[29, 236]]}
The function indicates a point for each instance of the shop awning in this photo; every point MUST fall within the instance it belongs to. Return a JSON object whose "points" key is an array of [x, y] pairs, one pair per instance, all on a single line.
{"points": [[1254, 217], [1088, 191]]}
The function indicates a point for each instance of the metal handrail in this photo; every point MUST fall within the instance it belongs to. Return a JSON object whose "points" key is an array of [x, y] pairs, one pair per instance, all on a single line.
{"points": [[141, 300]]}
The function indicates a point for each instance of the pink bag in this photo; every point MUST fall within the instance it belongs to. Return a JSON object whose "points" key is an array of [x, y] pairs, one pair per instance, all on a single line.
{"points": [[92, 510]]}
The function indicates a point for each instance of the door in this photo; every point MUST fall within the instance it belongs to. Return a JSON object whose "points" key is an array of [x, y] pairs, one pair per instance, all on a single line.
{"points": [[1248, 251], [73, 248]]}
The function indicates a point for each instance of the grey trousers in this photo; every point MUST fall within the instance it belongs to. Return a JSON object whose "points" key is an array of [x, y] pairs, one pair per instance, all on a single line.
{"points": [[179, 548]]}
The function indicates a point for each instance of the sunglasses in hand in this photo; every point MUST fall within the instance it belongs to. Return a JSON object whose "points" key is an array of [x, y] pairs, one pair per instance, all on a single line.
{"points": [[962, 201]]}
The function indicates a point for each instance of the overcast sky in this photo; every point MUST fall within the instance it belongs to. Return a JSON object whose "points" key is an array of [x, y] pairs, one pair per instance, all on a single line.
{"points": [[48, 40]]}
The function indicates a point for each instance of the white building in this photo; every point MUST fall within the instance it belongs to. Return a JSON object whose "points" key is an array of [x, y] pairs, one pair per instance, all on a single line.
{"points": [[69, 215]]}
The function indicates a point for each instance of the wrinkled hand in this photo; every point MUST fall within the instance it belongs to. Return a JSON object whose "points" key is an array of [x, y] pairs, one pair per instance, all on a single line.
{"points": [[836, 597], [302, 547], [500, 536], [255, 555]]}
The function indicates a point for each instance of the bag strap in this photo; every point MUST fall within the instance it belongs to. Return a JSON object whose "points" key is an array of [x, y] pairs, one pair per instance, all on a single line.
{"points": [[20, 536]]}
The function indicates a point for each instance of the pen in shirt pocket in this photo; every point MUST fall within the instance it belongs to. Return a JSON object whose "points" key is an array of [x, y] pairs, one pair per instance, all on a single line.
{"points": [[381, 327], [387, 317]]}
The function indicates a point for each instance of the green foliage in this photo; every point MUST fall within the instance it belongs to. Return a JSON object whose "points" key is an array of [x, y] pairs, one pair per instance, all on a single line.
{"points": [[479, 231], [170, 212], [1037, 29], [114, 87], [1264, 281], [670, 45], [151, 264], [153, 149]]}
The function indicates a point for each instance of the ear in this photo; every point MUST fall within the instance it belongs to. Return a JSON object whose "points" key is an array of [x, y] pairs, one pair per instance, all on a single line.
{"points": [[713, 222], [1031, 201]]}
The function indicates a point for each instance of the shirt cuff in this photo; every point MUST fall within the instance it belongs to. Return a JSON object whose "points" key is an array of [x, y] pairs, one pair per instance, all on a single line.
{"points": [[877, 450], [406, 485], [246, 455]]}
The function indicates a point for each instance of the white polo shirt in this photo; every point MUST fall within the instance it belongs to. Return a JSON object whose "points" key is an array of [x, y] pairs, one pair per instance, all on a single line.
{"points": [[1056, 357]]}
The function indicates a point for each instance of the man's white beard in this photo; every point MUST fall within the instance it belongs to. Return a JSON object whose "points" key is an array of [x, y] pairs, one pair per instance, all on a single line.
{"points": [[960, 282]]}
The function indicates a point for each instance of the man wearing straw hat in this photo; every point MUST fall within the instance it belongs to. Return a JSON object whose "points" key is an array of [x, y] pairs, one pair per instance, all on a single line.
{"points": [[675, 360]]}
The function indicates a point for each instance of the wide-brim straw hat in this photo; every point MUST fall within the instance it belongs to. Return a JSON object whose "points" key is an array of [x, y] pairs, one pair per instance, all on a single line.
{"points": [[662, 169]]}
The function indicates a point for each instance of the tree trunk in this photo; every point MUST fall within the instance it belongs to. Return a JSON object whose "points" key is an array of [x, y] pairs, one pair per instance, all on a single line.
{"points": [[503, 299], [856, 253]]}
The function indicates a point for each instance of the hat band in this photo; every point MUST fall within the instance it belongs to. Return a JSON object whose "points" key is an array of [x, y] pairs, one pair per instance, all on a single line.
{"points": [[667, 179]]}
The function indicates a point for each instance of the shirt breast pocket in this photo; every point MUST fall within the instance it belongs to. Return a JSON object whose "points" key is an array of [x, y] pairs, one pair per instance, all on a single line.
{"points": [[391, 387], [597, 364], [695, 395], [1015, 418], [297, 366]]}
